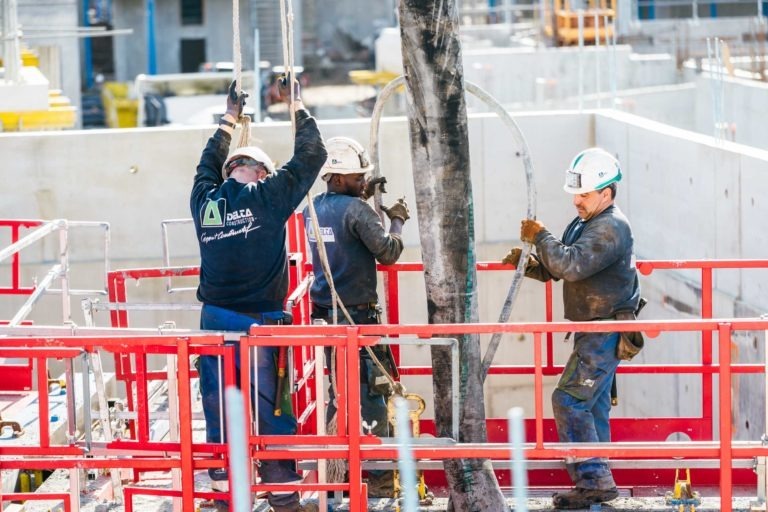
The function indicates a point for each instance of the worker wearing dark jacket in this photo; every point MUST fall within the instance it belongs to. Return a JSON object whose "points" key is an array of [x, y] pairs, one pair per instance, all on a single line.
{"points": [[595, 260], [240, 205], [354, 240]]}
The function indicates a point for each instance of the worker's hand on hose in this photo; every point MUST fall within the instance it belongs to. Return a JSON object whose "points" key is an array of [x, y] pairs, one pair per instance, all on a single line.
{"points": [[513, 258], [399, 210], [529, 228], [235, 100], [285, 92], [371, 184]]}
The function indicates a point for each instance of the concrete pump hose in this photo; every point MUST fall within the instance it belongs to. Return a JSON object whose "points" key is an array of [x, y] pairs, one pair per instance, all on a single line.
{"points": [[519, 139]]}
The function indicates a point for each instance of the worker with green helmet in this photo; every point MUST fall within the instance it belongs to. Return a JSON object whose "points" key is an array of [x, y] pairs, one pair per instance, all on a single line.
{"points": [[595, 259]]}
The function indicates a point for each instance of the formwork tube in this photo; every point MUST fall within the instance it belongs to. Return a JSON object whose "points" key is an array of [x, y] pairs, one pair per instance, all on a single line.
{"points": [[524, 153], [239, 471]]}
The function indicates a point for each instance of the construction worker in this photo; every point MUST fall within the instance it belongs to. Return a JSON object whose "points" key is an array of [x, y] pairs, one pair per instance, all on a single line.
{"points": [[354, 239], [240, 205], [595, 260]]}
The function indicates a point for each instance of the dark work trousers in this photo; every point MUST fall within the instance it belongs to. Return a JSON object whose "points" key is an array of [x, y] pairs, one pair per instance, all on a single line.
{"points": [[582, 403], [373, 406], [214, 318]]}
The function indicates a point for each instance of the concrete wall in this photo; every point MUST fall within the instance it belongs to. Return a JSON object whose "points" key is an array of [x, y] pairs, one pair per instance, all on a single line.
{"points": [[131, 52], [686, 196]]}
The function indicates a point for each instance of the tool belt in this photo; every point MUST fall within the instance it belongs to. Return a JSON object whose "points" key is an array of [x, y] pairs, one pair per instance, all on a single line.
{"points": [[369, 311], [630, 343]]}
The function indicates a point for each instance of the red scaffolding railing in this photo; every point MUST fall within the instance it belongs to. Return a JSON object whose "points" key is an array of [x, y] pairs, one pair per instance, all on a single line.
{"points": [[636, 438]]}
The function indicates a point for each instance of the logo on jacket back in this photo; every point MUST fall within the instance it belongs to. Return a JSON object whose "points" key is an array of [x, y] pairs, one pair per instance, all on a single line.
{"points": [[213, 213], [328, 236]]}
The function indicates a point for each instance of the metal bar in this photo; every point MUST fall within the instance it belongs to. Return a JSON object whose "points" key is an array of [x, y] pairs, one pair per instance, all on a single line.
{"points": [[353, 418], [66, 309], [185, 427], [45, 230], [726, 435], [405, 461], [43, 416], [239, 466], [538, 390], [548, 316], [706, 347], [517, 457], [40, 289]]}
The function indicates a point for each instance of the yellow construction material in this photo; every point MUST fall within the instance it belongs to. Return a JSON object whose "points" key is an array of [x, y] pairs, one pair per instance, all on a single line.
{"points": [[59, 116], [28, 58], [566, 26], [120, 110], [368, 77]]}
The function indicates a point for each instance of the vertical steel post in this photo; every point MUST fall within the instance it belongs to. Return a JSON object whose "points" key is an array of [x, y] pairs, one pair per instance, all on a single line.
{"points": [[516, 440], [538, 390], [151, 50], [726, 429], [87, 48], [405, 462], [239, 468]]}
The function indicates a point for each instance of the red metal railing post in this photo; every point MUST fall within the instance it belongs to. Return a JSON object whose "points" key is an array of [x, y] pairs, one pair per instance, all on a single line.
{"points": [[42, 393], [538, 392], [706, 352], [726, 429], [353, 417], [185, 425], [548, 316]]}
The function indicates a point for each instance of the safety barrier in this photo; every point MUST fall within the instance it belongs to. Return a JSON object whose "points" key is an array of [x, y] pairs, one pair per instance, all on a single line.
{"points": [[638, 439], [348, 443]]}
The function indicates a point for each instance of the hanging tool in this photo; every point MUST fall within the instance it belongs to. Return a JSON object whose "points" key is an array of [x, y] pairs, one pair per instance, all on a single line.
{"points": [[425, 497], [683, 496]]}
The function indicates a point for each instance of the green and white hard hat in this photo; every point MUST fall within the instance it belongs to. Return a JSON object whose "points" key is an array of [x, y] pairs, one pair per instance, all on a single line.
{"points": [[592, 169]]}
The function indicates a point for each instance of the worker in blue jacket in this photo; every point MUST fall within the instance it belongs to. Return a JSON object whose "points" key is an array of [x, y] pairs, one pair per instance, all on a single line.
{"points": [[240, 204], [355, 239], [595, 259]]}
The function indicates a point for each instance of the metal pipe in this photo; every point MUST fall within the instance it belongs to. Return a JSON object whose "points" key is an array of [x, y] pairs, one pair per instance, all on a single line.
{"points": [[239, 468], [597, 61], [40, 289], [405, 461], [580, 17], [519, 472], [45, 230]]}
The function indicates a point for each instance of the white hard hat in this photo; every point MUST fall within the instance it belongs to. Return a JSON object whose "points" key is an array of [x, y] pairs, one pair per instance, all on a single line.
{"points": [[249, 152], [345, 156], [592, 169]]}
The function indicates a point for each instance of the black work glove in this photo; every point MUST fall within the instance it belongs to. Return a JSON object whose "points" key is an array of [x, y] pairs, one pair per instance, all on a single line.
{"points": [[399, 210], [370, 187], [285, 92], [235, 100]]}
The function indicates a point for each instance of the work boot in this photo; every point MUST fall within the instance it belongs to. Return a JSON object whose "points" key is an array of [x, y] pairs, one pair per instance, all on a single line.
{"points": [[583, 498], [381, 485]]}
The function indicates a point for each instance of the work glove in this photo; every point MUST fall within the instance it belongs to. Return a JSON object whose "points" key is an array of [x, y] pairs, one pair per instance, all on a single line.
{"points": [[529, 228], [370, 187], [513, 258], [285, 92], [235, 100], [399, 210]]}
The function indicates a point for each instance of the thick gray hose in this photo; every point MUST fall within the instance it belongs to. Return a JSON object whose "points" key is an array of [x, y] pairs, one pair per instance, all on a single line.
{"points": [[519, 139]]}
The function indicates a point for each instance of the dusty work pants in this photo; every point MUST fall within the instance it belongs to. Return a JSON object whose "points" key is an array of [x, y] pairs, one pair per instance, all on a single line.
{"points": [[582, 403], [214, 318]]}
